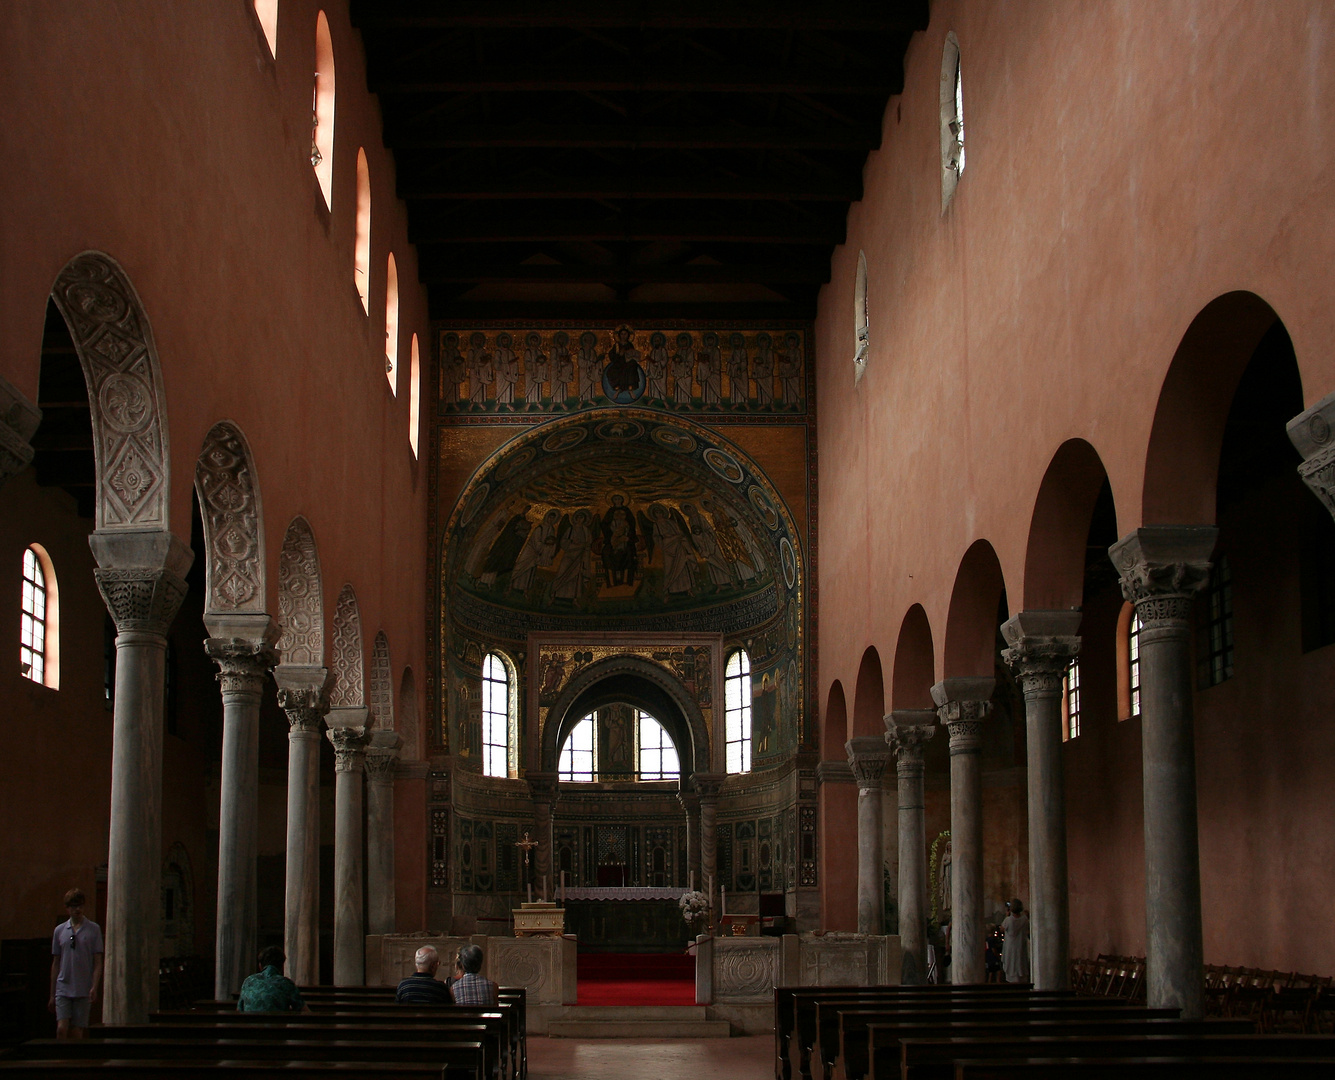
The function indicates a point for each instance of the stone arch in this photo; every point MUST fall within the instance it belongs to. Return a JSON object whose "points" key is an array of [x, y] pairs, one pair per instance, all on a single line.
{"points": [[637, 682], [1054, 568], [834, 732], [346, 660], [915, 663], [229, 500], [1182, 460], [114, 342], [381, 689], [300, 597], [869, 696], [408, 726], [971, 626]]}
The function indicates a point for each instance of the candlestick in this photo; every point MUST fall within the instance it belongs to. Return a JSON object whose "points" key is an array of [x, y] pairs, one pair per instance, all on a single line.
{"points": [[530, 892], [544, 888]]}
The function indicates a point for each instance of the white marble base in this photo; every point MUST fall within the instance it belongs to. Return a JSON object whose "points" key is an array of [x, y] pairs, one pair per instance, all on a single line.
{"points": [[745, 970]]}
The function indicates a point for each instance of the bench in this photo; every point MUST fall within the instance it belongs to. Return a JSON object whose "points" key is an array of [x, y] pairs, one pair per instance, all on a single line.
{"points": [[216, 1069], [1148, 1068]]}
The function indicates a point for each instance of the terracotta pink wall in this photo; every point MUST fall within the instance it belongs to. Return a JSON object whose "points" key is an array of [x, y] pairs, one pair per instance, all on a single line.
{"points": [[167, 137], [1126, 164]]}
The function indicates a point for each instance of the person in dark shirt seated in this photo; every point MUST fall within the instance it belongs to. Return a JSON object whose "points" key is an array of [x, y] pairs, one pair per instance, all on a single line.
{"points": [[421, 987], [270, 990]]}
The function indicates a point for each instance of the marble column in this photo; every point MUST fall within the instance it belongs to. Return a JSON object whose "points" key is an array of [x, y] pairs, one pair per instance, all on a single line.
{"points": [[962, 706], [1313, 434], [382, 756], [543, 790], [867, 756], [141, 575], [690, 802], [19, 420], [1162, 568], [707, 788], [1042, 646], [348, 733], [242, 647], [304, 695], [906, 732]]}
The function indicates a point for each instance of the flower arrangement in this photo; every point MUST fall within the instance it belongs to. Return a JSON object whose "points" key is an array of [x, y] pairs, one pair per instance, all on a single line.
{"points": [[694, 907]]}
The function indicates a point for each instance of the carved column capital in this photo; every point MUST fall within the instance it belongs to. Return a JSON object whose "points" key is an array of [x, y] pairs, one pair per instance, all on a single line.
{"points": [[19, 419], [543, 786], [867, 757], [349, 748], [707, 787], [962, 704], [303, 693], [382, 755], [243, 648], [141, 576], [1162, 567], [1042, 646], [906, 733], [1312, 432]]}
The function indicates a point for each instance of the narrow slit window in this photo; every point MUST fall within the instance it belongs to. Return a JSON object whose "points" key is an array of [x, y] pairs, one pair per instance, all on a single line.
{"points": [[32, 621], [1071, 701], [1214, 640], [414, 395], [495, 717], [1135, 667], [579, 756], [322, 111], [737, 712]]}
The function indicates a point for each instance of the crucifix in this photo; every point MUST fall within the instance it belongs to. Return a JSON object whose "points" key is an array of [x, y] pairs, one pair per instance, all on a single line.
{"points": [[527, 844]]}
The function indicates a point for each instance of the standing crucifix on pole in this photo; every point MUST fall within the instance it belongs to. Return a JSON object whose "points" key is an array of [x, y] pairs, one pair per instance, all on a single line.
{"points": [[527, 845]]}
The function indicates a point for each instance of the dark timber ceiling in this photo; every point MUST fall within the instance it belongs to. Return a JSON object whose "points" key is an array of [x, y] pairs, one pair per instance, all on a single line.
{"points": [[631, 158]]}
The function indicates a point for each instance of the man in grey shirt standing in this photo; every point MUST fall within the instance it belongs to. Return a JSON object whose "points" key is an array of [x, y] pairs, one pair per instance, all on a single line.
{"points": [[76, 969]]}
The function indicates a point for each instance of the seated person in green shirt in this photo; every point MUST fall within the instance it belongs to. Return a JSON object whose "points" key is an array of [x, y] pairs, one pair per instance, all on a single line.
{"points": [[270, 990]]}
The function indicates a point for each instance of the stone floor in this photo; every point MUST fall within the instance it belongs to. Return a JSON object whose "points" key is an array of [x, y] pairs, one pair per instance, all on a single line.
{"points": [[748, 1057]]}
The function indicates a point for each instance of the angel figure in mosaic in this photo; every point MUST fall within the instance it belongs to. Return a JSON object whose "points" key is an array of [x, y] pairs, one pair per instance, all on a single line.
{"points": [[707, 547], [672, 535], [575, 541]]}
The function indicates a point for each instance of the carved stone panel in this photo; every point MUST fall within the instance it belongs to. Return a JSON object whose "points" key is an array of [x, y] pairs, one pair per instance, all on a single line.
{"points": [[225, 480], [120, 366], [745, 969], [381, 689], [346, 660], [300, 597]]}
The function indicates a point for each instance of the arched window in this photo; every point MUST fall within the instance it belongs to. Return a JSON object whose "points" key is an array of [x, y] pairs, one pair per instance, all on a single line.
{"points": [[267, 13], [861, 320], [414, 396], [392, 326], [497, 705], [1071, 701], [361, 251], [1128, 663], [737, 712], [39, 621], [952, 120], [579, 757], [658, 753], [1214, 627], [322, 111]]}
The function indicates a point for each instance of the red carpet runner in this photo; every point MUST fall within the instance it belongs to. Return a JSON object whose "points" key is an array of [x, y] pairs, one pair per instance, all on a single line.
{"points": [[636, 979]]}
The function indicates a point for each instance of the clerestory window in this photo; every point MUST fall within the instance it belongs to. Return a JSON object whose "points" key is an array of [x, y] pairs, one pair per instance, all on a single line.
{"points": [[737, 712]]}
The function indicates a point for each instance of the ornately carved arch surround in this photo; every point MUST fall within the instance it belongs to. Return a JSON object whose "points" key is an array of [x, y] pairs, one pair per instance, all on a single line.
{"points": [[624, 672]]}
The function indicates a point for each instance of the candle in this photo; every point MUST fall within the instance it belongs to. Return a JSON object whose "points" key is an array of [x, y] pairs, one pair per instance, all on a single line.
{"points": [[530, 892], [544, 888]]}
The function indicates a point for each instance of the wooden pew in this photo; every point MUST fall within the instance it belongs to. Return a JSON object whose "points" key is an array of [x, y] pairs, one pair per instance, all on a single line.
{"points": [[465, 1058], [795, 1011], [935, 1059], [1148, 1068], [210, 1069], [842, 1025], [884, 1039]]}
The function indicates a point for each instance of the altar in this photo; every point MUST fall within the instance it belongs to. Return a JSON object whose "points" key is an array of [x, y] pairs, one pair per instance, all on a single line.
{"points": [[625, 918]]}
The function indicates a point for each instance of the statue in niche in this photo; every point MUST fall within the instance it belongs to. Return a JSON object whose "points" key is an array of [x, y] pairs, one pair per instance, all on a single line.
{"points": [[623, 377], [709, 370], [574, 541], [506, 367], [737, 370], [562, 368], [657, 366], [479, 368], [539, 550], [589, 359], [790, 370], [763, 370], [535, 369], [619, 543], [683, 367]]}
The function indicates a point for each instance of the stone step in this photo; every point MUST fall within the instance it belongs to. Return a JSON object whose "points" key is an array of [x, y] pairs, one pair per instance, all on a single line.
{"points": [[633, 1012], [638, 1029]]}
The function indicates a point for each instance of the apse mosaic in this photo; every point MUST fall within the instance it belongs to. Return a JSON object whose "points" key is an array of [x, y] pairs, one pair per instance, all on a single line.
{"points": [[504, 370]]}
